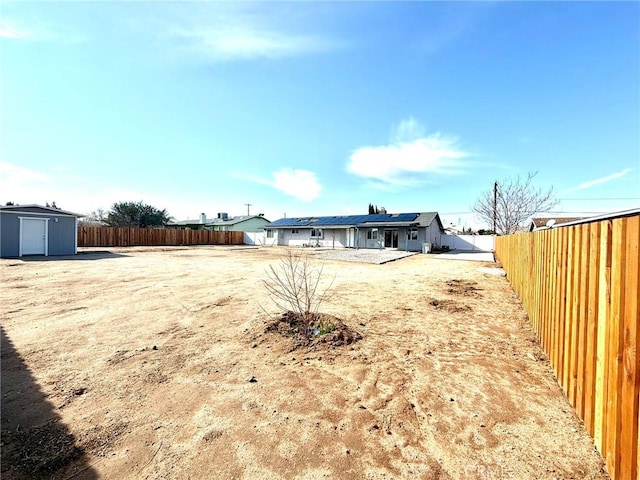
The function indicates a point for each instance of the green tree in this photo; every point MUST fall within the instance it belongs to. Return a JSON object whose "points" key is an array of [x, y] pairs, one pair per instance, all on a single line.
{"points": [[136, 214]]}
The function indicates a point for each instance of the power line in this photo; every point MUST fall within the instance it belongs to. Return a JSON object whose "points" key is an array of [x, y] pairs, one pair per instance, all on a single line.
{"points": [[602, 198], [564, 212]]}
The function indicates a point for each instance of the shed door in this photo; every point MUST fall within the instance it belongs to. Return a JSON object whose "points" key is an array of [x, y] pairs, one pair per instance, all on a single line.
{"points": [[33, 236]]}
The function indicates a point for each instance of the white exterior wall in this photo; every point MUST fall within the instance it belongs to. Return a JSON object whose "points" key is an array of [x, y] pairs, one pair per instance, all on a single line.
{"points": [[267, 241], [416, 245], [357, 238], [472, 243], [260, 239], [431, 234], [330, 237], [363, 242]]}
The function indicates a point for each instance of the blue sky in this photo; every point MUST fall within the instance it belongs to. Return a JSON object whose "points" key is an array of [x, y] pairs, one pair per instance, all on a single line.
{"points": [[313, 108]]}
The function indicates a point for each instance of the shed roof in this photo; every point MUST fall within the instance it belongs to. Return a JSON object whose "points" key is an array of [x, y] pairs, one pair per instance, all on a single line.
{"points": [[58, 211]]}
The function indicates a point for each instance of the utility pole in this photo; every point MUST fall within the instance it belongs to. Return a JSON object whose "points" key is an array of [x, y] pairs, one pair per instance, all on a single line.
{"points": [[495, 205], [248, 205]]}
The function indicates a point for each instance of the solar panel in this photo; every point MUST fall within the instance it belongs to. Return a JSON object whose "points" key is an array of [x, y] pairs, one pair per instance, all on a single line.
{"points": [[344, 220]]}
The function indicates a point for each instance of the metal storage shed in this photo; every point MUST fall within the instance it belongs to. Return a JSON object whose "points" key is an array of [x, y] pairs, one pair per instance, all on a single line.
{"points": [[37, 230]]}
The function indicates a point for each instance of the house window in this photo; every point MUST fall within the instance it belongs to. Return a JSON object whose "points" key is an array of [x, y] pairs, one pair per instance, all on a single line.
{"points": [[372, 234], [412, 234], [269, 233], [295, 231], [316, 233]]}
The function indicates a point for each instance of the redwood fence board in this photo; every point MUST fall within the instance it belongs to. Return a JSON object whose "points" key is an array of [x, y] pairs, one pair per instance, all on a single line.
{"points": [[580, 287], [134, 237]]}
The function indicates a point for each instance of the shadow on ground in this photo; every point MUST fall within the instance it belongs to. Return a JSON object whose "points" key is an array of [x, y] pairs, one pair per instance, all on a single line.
{"points": [[87, 255], [35, 443]]}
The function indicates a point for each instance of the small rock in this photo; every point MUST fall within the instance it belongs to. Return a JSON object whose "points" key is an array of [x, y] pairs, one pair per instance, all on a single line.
{"points": [[155, 348], [452, 399], [252, 380], [347, 451], [254, 345]]}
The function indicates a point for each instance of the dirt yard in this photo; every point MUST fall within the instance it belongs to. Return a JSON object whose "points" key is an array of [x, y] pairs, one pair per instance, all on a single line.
{"points": [[152, 363]]}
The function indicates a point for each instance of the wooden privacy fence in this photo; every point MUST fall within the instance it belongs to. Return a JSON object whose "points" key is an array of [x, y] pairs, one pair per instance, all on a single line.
{"points": [[132, 236], [579, 285]]}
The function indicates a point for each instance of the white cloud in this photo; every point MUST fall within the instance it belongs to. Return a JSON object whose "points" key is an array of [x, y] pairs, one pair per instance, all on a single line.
{"points": [[9, 30], [242, 31], [598, 181], [70, 190], [35, 31], [409, 158], [301, 184], [407, 131], [245, 43], [13, 177]]}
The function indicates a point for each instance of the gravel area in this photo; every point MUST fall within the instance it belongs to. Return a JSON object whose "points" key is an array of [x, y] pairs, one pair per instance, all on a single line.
{"points": [[363, 255]]}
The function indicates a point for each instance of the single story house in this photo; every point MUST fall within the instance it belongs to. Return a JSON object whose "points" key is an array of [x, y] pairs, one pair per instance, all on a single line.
{"points": [[223, 223], [37, 230], [401, 231]]}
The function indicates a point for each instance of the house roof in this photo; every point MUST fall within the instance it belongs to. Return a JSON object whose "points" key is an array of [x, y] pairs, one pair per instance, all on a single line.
{"points": [[234, 220], [218, 221], [542, 221], [33, 205], [569, 221], [186, 222], [604, 216], [373, 220]]}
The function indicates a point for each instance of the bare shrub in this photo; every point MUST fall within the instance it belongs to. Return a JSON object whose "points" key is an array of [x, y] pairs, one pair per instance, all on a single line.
{"points": [[511, 202], [294, 285]]}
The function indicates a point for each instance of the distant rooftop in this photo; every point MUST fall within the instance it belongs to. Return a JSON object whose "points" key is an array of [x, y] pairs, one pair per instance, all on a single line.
{"points": [[542, 221], [217, 221]]}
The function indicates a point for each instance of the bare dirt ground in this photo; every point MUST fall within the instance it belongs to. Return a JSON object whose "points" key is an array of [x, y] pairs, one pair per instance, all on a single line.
{"points": [[155, 363]]}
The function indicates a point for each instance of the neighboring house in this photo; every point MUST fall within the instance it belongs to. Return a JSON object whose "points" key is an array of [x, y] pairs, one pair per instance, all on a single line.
{"points": [[597, 218], [402, 231], [223, 223], [242, 223], [199, 224], [37, 230], [453, 229], [540, 223]]}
